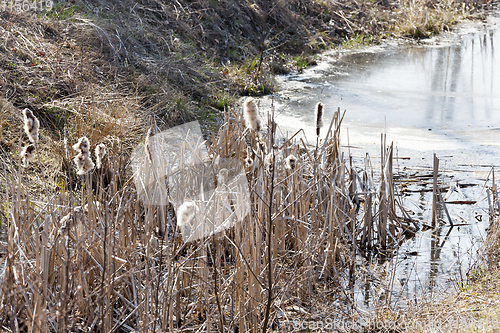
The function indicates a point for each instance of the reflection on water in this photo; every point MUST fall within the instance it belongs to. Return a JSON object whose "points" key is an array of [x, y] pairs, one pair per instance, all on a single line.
{"points": [[442, 98], [442, 93], [464, 75]]}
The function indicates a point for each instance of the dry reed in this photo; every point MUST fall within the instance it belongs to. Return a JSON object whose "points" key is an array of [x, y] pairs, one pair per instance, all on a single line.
{"points": [[110, 268]]}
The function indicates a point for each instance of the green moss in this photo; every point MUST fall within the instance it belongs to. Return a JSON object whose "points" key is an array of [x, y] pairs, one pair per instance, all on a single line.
{"points": [[221, 100], [358, 40], [62, 12], [301, 62]]}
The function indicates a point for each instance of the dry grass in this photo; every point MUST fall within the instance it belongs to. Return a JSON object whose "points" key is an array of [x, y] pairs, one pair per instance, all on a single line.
{"points": [[422, 20], [366, 22], [188, 60], [109, 267]]}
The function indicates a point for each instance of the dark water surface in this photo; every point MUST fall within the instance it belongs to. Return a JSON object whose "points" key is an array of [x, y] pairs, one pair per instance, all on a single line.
{"points": [[442, 97]]}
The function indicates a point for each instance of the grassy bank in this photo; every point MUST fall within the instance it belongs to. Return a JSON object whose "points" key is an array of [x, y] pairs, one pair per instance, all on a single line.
{"points": [[189, 60], [182, 61], [476, 304]]}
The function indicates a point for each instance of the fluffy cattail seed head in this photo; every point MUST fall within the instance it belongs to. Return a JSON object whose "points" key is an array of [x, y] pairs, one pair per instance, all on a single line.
{"points": [[250, 114], [223, 177], [268, 162], [147, 144], [65, 143], [66, 149], [319, 117], [31, 125], [83, 163], [185, 213], [291, 162], [100, 151], [249, 159], [154, 241], [27, 154], [82, 146], [248, 162]]}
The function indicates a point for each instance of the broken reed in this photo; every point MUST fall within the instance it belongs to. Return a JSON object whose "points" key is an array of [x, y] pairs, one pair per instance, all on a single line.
{"points": [[99, 258]]}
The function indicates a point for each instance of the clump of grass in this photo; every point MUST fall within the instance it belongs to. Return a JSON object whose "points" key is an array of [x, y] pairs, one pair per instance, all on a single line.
{"points": [[359, 40], [420, 20], [302, 62]]}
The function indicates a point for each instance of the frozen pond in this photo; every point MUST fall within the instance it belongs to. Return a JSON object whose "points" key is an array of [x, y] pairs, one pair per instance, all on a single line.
{"points": [[441, 97]]}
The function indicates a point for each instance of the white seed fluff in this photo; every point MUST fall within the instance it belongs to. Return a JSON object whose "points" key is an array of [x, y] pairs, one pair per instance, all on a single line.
{"points": [[250, 114], [27, 154], [82, 146], [83, 163], [100, 151], [291, 162], [31, 125]]}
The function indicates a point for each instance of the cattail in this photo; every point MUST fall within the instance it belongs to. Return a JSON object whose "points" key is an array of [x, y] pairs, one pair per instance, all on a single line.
{"points": [[146, 144], [223, 177], [185, 214], [100, 151], [69, 220], [250, 115], [154, 242], [82, 146], [319, 117], [65, 143], [66, 222], [268, 162], [291, 162], [249, 159], [83, 163], [248, 162], [27, 154], [31, 125], [262, 145]]}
